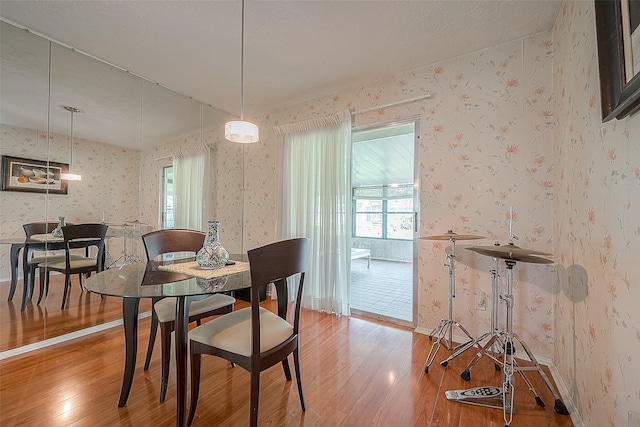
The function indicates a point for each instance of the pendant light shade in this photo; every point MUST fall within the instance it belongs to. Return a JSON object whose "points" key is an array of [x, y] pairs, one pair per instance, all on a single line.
{"points": [[70, 176], [239, 130]]}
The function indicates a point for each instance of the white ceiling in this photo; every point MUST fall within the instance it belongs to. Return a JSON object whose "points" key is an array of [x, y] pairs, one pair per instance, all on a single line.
{"points": [[294, 50]]}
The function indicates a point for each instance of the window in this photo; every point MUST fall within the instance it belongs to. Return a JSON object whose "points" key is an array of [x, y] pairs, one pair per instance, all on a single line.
{"points": [[383, 212]]}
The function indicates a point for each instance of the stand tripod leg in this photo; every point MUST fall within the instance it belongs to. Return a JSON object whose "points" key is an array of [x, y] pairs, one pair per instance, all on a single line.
{"points": [[466, 374], [558, 405], [440, 332], [465, 347]]}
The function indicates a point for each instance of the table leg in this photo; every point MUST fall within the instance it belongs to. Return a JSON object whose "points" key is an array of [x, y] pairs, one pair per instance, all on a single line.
{"points": [[14, 257], [182, 348], [130, 320]]}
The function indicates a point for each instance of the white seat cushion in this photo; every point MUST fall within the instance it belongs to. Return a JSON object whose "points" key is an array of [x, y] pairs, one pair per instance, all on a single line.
{"points": [[75, 263], [51, 259], [166, 308], [232, 332]]}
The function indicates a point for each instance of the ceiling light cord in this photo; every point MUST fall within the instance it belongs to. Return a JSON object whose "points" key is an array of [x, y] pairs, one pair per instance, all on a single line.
{"points": [[239, 130], [242, 66]]}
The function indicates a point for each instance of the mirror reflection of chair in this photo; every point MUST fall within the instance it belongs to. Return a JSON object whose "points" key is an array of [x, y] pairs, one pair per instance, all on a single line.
{"points": [[40, 260], [254, 337], [161, 242], [79, 236]]}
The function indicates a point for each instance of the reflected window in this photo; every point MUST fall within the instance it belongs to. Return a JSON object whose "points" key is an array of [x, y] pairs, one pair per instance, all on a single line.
{"points": [[167, 197]]}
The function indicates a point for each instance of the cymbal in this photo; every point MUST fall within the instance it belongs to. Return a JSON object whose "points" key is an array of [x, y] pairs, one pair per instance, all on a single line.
{"points": [[513, 253], [510, 248], [450, 235]]}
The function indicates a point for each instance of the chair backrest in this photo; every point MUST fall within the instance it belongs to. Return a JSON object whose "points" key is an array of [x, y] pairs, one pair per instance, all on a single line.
{"points": [[172, 240], [83, 236], [275, 263], [39, 228]]}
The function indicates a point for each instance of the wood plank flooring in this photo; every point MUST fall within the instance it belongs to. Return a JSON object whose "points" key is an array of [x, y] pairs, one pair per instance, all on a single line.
{"points": [[355, 372]]}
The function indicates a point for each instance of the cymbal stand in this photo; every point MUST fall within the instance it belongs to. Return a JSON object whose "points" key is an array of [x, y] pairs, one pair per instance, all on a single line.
{"points": [[446, 325], [127, 258], [493, 347], [510, 366]]}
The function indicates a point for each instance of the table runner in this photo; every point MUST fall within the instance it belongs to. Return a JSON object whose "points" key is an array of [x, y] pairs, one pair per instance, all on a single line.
{"points": [[193, 269]]}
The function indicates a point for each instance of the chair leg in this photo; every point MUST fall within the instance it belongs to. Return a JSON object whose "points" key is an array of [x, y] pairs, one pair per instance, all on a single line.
{"points": [[67, 286], [196, 360], [42, 275], [287, 370], [46, 283], [81, 280], [165, 343], [255, 395], [152, 339], [296, 366]]}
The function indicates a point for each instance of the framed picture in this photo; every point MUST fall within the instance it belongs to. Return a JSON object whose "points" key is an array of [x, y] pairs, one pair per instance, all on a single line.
{"points": [[34, 176], [618, 37]]}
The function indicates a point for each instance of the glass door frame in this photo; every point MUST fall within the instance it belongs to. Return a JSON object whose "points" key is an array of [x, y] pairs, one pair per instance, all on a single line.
{"points": [[416, 202]]}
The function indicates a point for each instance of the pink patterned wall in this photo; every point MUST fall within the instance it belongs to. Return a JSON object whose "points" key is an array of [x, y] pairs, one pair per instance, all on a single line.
{"points": [[596, 232]]}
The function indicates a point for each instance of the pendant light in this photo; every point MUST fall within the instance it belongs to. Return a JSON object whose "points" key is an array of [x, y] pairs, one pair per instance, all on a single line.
{"points": [[70, 176], [240, 130]]}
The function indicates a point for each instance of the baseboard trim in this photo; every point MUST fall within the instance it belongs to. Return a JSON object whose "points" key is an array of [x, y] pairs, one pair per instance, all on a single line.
{"points": [[64, 338]]}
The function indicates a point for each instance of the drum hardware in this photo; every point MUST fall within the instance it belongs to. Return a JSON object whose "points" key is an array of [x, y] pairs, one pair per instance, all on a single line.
{"points": [[446, 325], [487, 396], [512, 254]]}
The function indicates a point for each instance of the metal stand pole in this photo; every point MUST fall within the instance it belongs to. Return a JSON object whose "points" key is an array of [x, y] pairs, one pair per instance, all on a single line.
{"points": [[446, 325]]}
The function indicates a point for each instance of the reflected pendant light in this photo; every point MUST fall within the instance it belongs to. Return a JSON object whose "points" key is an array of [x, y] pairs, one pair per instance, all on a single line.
{"points": [[70, 176], [239, 130]]}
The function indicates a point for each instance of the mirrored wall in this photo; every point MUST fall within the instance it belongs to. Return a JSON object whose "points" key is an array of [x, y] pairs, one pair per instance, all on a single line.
{"points": [[126, 131]]}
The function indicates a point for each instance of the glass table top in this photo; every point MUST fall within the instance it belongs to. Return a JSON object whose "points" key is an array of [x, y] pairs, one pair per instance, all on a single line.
{"points": [[146, 280]]}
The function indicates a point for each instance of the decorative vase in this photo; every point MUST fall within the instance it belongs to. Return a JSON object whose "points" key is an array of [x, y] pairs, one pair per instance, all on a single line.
{"points": [[212, 255], [57, 232]]}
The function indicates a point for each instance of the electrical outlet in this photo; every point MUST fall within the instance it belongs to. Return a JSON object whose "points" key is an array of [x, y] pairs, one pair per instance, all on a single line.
{"points": [[481, 301]]}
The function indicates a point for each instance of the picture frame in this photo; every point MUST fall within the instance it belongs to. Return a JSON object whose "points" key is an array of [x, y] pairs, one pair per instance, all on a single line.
{"points": [[616, 30], [33, 176]]}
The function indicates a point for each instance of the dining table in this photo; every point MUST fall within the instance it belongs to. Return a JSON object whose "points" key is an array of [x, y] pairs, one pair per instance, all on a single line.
{"points": [[181, 278]]}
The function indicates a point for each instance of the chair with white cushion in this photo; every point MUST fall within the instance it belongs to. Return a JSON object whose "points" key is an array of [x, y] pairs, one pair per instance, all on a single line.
{"points": [[80, 236], [254, 337], [40, 259], [166, 241]]}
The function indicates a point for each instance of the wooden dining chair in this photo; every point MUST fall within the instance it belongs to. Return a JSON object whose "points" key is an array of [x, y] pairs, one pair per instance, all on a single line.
{"points": [[80, 236], [161, 242], [254, 337], [42, 259]]}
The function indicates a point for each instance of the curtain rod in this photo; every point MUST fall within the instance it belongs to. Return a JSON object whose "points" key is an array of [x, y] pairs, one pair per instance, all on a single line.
{"points": [[391, 104]]}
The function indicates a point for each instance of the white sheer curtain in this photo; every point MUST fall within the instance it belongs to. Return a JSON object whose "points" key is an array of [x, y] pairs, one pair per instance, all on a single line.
{"points": [[191, 178], [316, 203]]}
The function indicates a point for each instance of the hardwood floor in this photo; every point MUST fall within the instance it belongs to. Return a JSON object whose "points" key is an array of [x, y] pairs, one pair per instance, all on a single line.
{"points": [[355, 372]]}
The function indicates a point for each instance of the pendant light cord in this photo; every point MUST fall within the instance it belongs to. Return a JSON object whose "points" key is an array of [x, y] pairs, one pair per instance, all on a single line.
{"points": [[242, 66]]}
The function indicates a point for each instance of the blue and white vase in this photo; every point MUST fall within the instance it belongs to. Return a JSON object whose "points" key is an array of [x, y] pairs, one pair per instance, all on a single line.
{"points": [[57, 232], [212, 255]]}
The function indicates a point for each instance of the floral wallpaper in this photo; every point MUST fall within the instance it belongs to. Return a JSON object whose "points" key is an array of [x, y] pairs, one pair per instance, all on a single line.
{"points": [[596, 233], [109, 188]]}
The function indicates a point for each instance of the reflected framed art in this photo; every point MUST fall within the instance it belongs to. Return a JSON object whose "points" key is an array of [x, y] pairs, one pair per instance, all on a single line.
{"points": [[33, 176]]}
